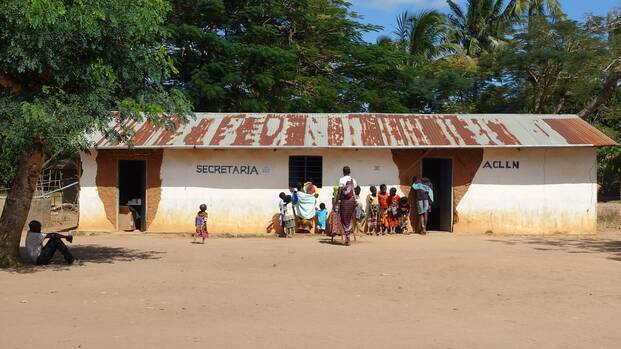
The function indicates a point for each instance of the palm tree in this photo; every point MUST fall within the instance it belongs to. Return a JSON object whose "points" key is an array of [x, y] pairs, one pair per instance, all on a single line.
{"points": [[422, 33], [482, 25], [537, 8]]}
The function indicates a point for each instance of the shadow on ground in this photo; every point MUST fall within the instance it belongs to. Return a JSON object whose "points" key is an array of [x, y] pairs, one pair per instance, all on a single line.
{"points": [[87, 254], [338, 242], [576, 245]]}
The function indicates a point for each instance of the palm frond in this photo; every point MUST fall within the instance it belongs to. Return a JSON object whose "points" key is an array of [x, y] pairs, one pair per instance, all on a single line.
{"points": [[426, 30], [554, 9], [455, 9], [402, 30]]}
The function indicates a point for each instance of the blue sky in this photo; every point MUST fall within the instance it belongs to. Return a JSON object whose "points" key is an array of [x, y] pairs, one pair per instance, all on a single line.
{"points": [[383, 12]]}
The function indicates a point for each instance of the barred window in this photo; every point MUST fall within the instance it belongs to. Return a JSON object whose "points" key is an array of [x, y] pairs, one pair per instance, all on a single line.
{"points": [[305, 168]]}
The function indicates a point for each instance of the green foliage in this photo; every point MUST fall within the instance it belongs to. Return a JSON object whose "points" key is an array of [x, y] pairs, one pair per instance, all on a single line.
{"points": [[68, 68], [422, 33], [262, 56], [554, 67], [64, 64], [609, 171], [537, 8], [481, 25]]}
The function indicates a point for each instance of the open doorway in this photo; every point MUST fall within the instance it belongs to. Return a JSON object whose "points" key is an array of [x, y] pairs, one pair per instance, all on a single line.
{"points": [[440, 172], [132, 195]]}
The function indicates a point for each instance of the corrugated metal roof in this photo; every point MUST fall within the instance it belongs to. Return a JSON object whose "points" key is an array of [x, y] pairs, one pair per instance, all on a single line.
{"points": [[226, 130]]}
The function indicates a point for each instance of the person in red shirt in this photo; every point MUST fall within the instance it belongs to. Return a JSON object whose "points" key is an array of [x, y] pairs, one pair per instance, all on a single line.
{"points": [[391, 219], [382, 198]]}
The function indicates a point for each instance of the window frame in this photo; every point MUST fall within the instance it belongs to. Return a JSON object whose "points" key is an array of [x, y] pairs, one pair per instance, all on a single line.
{"points": [[315, 172]]}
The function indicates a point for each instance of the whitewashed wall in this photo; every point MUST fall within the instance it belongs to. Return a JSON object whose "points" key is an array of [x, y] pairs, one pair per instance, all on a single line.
{"points": [[553, 191], [247, 203], [236, 203], [92, 214]]}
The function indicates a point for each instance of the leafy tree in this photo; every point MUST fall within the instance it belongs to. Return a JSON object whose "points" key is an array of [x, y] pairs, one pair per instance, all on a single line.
{"points": [[276, 56], [610, 29], [445, 86], [481, 25], [562, 64], [554, 60], [422, 33], [380, 79], [68, 68], [537, 8]]}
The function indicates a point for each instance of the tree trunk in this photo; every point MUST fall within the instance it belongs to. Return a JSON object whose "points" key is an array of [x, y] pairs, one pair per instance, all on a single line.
{"points": [[604, 95], [17, 206], [561, 102]]}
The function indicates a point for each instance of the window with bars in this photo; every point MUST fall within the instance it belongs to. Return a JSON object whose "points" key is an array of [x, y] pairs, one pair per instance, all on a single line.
{"points": [[305, 168]]}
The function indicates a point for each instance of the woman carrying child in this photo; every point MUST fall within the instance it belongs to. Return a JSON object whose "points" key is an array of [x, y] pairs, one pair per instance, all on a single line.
{"points": [[347, 204]]}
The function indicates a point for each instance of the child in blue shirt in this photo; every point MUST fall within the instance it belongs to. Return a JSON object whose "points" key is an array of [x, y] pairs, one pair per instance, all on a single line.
{"points": [[322, 218]]}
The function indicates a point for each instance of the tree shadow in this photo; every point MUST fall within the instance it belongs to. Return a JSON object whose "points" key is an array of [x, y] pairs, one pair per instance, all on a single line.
{"points": [[85, 254], [574, 245]]}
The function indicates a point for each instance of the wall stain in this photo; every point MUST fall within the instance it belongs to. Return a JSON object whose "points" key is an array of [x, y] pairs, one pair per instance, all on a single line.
{"points": [[466, 163], [107, 179]]}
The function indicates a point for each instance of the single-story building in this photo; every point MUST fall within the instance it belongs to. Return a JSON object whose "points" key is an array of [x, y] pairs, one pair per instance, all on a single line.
{"points": [[504, 174]]}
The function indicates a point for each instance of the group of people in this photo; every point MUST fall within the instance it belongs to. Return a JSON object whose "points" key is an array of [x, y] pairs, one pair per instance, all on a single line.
{"points": [[382, 212]]}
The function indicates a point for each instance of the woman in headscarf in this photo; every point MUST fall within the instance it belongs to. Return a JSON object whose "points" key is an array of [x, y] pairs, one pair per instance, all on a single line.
{"points": [[346, 205]]}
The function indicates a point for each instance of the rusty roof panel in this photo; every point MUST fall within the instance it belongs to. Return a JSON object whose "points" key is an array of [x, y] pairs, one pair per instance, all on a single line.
{"points": [[227, 130]]}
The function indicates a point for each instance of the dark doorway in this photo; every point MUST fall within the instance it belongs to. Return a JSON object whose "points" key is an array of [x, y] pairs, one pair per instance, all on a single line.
{"points": [[132, 191], [440, 172]]}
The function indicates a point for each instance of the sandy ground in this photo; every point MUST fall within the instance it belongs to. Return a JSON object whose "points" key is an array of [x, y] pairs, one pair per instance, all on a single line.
{"points": [[438, 291]]}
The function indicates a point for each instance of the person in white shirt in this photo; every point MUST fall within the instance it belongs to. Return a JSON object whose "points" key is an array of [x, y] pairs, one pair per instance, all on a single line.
{"points": [[40, 254], [346, 178]]}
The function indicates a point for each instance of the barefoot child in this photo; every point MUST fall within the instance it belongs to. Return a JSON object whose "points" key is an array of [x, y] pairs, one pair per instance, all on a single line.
{"points": [[359, 213], [382, 198], [391, 218], [322, 218], [201, 223], [288, 216], [372, 212], [404, 215]]}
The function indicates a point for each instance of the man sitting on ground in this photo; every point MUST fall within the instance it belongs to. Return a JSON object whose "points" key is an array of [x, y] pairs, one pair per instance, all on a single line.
{"points": [[40, 254]]}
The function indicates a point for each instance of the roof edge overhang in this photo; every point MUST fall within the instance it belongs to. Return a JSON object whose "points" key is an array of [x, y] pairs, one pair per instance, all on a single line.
{"points": [[246, 147], [364, 131]]}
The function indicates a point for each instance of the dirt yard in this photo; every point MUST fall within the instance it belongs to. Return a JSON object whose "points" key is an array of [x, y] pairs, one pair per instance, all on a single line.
{"points": [[438, 291]]}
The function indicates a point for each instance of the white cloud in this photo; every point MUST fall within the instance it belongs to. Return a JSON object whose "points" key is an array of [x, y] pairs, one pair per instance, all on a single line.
{"points": [[388, 5]]}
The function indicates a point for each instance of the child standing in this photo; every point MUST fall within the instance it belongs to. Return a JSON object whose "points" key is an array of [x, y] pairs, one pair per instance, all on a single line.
{"points": [[288, 216], [201, 223], [372, 211], [391, 220], [322, 218], [382, 198], [359, 213], [404, 215]]}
